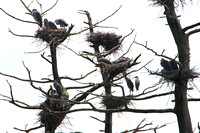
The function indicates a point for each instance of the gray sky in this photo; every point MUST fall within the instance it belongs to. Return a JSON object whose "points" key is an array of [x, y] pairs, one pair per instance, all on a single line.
{"points": [[136, 15]]}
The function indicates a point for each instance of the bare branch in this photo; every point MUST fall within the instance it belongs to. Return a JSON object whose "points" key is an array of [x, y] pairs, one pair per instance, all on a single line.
{"points": [[161, 55], [108, 16], [191, 26], [154, 96], [18, 18], [31, 83], [193, 31], [20, 35], [97, 119], [194, 99], [30, 3], [82, 77], [120, 110], [21, 78], [89, 21], [50, 8], [87, 58], [25, 6], [16, 102], [42, 55], [28, 130], [126, 36], [96, 24]]}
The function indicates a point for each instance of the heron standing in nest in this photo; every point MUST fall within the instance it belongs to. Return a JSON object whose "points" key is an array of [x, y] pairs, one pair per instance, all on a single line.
{"points": [[61, 91], [61, 22], [49, 24], [166, 65]]}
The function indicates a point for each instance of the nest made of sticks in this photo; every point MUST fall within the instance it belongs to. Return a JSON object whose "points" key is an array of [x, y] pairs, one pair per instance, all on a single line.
{"points": [[107, 40], [114, 69], [49, 35], [114, 102], [50, 119], [174, 75]]}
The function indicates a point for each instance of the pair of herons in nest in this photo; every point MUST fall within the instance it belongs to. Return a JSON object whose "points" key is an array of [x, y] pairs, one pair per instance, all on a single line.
{"points": [[168, 66], [47, 24]]}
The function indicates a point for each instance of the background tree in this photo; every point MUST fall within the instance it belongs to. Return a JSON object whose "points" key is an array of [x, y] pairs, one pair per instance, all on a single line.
{"points": [[186, 76]]}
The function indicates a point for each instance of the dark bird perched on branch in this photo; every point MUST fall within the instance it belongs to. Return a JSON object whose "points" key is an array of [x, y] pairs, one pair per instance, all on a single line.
{"points": [[174, 65], [166, 65], [61, 91], [102, 59], [49, 24], [137, 83], [130, 85], [61, 22], [37, 16]]}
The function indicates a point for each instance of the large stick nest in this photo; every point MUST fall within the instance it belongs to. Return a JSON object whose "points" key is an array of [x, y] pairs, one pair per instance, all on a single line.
{"points": [[49, 35], [48, 117], [174, 75], [114, 102], [107, 40], [114, 69]]}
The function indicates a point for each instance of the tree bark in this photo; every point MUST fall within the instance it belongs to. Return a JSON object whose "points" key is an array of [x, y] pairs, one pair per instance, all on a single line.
{"points": [[182, 42], [108, 116]]}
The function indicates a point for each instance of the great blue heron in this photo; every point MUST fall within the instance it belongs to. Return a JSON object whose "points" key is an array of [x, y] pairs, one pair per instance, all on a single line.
{"points": [[61, 22], [58, 88], [166, 65], [102, 59], [61, 91], [130, 85], [51, 91], [174, 65], [49, 24], [37, 16], [137, 82]]}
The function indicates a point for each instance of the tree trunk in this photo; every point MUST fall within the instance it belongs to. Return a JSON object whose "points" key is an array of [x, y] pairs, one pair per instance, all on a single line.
{"points": [[181, 108], [108, 123], [108, 116], [181, 39]]}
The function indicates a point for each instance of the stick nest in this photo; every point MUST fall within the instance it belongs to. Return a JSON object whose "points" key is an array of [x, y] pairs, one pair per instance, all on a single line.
{"points": [[107, 40], [49, 35], [173, 76], [115, 68], [114, 102], [48, 117]]}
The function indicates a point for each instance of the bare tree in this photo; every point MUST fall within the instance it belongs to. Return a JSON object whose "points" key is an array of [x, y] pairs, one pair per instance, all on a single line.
{"points": [[104, 45]]}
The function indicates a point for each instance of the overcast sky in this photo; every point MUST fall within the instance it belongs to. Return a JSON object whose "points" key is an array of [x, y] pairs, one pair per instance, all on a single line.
{"points": [[138, 15]]}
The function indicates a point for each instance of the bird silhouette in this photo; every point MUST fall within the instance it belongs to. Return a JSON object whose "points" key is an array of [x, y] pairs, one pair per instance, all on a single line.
{"points": [[37, 17], [61, 22], [137, 83], [49, 24]]}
